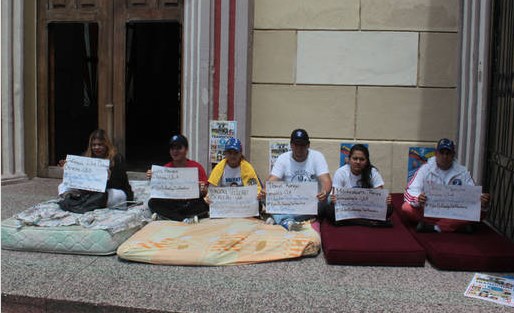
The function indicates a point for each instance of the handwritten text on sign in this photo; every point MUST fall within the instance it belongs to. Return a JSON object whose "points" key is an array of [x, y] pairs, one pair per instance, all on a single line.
{"points": [[85, 173], [361, 203], [454, 202], [233, 201], [291, 198], [174, 182]]}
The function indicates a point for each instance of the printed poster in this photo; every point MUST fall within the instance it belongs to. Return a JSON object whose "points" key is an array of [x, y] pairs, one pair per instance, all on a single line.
{"points": [[291, 198], [417, 157], [345, 152], [361, 203], [85, 173], [453, 201], [233, 202], [276, 148], [220, 132], [174, 182], [491, 288]]}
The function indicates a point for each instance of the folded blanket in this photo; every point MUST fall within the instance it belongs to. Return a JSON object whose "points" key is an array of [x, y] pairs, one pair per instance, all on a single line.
{"points": [[49, 214]]}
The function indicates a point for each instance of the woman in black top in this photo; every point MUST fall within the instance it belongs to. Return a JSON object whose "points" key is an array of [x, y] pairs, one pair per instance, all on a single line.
{"points": [[118, 187]]}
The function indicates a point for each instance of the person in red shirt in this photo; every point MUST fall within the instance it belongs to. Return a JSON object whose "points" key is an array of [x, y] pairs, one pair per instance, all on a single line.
{"points": [[187, 210]]}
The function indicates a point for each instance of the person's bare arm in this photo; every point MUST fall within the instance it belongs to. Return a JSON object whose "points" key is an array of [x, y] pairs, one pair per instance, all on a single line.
{"points": [[326, 186]]}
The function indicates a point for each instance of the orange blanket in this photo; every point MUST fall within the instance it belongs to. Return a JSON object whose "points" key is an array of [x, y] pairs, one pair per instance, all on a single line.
{"points": [[215, 242]]}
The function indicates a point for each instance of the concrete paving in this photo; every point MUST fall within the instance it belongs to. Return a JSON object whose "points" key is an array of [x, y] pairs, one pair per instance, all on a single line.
{"points": [[43, 282]]}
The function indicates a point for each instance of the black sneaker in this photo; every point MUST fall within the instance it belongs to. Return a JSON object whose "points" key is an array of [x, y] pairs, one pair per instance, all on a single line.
{"points": [[467, 229], [423, 227]]}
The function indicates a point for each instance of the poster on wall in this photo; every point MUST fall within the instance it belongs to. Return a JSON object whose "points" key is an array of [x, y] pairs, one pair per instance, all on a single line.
{"points": [[220, 132], [276, 148], [345, 152], [417, 157]]}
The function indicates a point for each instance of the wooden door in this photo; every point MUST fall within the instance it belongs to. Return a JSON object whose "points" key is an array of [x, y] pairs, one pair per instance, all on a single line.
{"points": [[105, 22], [126, 12]]}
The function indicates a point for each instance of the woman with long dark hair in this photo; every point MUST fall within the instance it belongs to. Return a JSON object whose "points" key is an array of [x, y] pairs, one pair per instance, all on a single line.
{"points": [[358, 173]]}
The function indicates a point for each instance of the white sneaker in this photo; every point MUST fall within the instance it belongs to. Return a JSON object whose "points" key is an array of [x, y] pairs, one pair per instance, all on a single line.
{"points": [[154, 217], [270, 221], [191, 220], [294, 226]]}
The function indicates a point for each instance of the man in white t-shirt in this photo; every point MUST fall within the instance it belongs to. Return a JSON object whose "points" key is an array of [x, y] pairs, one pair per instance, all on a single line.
{"points": [[301, 164]]}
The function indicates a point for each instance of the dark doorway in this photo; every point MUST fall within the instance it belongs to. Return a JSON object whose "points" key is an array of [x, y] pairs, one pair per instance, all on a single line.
{"points": [[73, 105], [152, 88]]}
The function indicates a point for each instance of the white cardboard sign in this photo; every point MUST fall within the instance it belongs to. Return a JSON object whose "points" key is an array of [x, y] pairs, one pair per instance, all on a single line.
{"points": [[174, 182], [453, 202], [233, 201], [85, 173], [292, 198], [361, 203]]}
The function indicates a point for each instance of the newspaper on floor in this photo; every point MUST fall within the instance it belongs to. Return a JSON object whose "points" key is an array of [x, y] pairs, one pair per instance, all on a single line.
{"points": [[491, 288]]}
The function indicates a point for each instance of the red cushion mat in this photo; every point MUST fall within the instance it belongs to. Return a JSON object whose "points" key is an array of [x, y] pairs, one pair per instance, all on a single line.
{"points": [[483, 250], [361, 245]]}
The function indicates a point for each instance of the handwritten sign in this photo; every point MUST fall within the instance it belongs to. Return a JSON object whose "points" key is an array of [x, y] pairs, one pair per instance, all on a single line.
{"points": [[454, 202], [291, 198], [361, 203], [233, 201], [174, 182], [85, 173]]}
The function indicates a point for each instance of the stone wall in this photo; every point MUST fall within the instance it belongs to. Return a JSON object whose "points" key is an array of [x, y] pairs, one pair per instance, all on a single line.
{"points": [[381, 72]]}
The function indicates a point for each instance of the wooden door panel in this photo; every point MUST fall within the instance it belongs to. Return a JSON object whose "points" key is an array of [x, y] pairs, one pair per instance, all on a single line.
{"points": [[126, 12], [78, 11]]}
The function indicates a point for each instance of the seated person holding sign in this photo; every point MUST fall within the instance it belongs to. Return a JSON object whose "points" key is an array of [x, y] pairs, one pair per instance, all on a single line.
{"points": [[359, 173], [234, 170], [301, 164], [444, 170], [184, 210], [118, 188]]}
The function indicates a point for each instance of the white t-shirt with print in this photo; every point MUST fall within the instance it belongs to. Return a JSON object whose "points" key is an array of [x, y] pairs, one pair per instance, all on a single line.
{"points": [[287, 169], [231, 177], [344, 178]]}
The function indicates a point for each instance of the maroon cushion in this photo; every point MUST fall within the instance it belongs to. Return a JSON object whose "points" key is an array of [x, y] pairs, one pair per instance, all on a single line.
{"points": [[483, 250], [361, 245]]}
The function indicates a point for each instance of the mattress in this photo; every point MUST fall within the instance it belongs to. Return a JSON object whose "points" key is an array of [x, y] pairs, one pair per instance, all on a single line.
{"points": [[46, 228], [73, 239], [215, 242]]}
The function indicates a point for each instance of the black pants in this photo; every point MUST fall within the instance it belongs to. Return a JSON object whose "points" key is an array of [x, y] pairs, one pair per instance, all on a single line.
{"points": [[178, 210]]}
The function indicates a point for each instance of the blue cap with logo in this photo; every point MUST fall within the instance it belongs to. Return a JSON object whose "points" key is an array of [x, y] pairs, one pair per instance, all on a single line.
{"points": [[300, 136], [445, 143], [178, 140], [233, 144]]}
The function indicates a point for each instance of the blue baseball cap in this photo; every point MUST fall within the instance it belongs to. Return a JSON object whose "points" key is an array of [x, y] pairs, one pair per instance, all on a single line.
{"points": [[300, 136], [447, 144], [233, 144], [178, 140]]}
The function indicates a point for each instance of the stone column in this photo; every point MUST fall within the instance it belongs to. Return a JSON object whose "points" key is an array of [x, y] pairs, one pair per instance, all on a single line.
{"points": [[13, 159], [196, 73], [474, 81]]}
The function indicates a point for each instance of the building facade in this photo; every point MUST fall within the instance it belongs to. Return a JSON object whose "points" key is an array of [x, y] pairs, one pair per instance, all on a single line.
{"points": [[390, 73]]}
